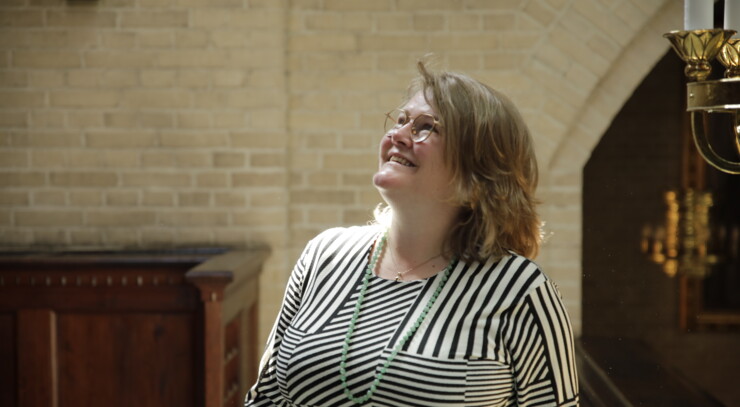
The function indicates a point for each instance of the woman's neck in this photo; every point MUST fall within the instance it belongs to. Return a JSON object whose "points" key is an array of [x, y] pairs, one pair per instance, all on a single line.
{"points": [[415, 237]]}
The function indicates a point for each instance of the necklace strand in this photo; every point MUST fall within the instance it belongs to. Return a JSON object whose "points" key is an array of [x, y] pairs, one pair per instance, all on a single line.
{"points": [[445, 274], [400, 274]]}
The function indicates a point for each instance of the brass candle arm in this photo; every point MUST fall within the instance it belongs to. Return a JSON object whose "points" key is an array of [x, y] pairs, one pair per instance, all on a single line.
{"points": [[720, 96], [697, 48]]}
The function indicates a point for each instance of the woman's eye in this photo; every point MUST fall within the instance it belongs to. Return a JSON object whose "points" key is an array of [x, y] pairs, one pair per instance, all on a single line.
{"points": [[424, 124]]}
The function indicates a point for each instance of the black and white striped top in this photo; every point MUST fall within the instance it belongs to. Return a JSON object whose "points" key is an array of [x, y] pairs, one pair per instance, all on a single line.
{"points": [[497, 335]]}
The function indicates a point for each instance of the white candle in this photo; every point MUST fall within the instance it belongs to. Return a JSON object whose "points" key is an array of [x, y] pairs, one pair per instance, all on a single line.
{"points": [[732, 16], [698, 14]]}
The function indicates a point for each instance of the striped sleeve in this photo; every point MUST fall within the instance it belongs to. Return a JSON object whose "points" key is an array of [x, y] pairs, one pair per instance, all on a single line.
{"points": [[540, 342], [266, 391]]}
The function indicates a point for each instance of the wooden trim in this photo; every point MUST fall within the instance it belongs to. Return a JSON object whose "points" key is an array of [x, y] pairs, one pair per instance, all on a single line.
{"points": [[37, 356]]}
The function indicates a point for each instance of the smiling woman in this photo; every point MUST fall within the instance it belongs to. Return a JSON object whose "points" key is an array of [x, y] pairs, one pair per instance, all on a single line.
{"points": [[435, 304]]}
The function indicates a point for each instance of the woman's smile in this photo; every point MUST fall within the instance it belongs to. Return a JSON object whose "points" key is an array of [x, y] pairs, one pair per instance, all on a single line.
{"points": [[396, 158]]}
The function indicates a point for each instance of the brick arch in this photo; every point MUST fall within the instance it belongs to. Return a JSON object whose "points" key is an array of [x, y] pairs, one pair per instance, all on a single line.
{"points": [[606, 99], [562, 182]]}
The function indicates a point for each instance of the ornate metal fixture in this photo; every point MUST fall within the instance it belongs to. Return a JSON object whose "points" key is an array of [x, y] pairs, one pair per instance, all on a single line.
{"points": [[697, 48], [681, 245]]}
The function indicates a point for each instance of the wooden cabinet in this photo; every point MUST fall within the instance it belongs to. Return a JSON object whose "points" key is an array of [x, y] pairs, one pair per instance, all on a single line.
{"points": [[129, 328]]}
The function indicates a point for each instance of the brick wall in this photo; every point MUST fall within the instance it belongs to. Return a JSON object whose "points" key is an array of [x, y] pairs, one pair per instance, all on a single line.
{"points": [[144, 124], [187, 122]]}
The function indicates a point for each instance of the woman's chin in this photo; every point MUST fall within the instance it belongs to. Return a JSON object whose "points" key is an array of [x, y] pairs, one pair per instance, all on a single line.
{"points": [[385, 180]]}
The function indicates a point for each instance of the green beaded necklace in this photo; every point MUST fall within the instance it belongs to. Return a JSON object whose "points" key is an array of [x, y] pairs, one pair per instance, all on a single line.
{"points": [[363, 290]]}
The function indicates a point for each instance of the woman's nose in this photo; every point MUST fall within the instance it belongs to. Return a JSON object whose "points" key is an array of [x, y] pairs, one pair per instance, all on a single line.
{"points": [[401, 135]]}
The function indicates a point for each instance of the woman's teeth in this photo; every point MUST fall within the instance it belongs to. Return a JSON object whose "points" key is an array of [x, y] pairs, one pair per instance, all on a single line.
{"points": [[402, 161]]}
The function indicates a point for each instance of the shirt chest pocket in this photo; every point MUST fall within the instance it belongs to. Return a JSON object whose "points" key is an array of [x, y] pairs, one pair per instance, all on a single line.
{"points": [[413, 379]]}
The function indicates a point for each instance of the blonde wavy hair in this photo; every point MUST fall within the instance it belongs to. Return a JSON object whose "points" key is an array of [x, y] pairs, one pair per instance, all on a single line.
{"points": [[489, 149]]}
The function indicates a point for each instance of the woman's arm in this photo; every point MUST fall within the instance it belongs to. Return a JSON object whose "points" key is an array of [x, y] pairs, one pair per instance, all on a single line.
{"points": [[266, 391], [540, 341]]}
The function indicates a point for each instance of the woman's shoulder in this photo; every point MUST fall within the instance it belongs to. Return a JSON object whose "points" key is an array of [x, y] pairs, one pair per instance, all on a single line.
{"points": [[519, 273], [511, 261], [515, 260]]}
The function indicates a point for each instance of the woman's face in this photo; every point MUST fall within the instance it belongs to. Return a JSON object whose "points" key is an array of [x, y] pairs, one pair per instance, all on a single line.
{"points": [[414, 171]]}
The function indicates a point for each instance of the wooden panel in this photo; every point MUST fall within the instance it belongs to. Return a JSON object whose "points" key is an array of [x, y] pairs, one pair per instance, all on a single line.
{"points": [[251, 347], [213, 349], [37, 356], [232, 359], [242, 301], [122, 360], [7, 360], [175, 298], [127, 329]]}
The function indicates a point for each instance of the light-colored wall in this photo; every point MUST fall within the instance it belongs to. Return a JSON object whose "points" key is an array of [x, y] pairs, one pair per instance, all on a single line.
{"points": [[150, 123]]}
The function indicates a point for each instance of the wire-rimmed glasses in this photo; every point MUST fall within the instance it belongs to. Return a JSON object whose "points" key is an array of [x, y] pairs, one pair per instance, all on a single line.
{"points": [[422, 126]]}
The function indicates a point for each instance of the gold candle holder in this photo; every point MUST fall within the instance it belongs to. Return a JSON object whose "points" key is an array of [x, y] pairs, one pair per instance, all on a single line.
{"points": [[697, 48], [729, 55]]}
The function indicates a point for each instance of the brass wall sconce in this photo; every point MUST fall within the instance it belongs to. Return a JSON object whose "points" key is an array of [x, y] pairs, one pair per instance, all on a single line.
{"points": [[697, 48], [681, 245]]}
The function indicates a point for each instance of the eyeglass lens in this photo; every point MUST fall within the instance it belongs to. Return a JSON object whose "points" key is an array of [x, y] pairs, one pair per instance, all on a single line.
{"points": [[421, 126]]}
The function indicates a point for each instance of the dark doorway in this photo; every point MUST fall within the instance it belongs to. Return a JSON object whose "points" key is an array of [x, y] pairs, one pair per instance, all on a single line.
{"points": [[630, 304]]}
